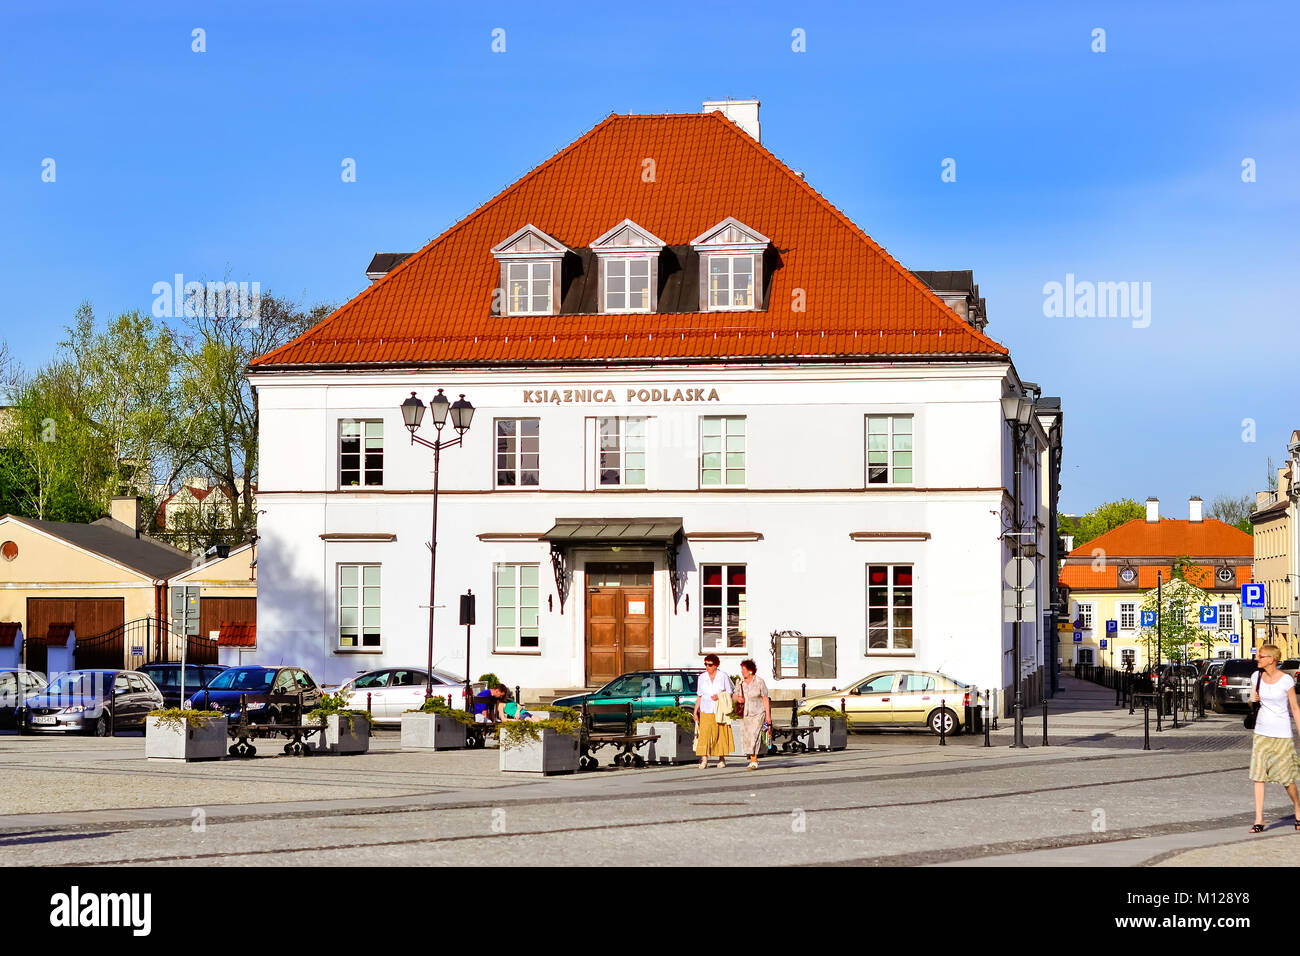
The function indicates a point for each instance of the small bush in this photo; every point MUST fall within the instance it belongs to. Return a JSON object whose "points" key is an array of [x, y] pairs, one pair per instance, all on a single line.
{"points": [[436, 705], [680, 716], [173, 716], [515, 733]]}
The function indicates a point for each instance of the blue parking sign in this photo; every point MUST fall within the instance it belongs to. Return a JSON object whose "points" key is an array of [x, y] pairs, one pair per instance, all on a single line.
{"points": [[1209, 614], [1078, 637], [1112, 627], [1148, 618], [1103, 643], [1252, 595], [1232, 639]]}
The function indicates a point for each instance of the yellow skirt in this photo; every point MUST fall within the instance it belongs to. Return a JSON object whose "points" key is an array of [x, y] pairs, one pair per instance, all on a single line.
{"points": [[713, 739]]}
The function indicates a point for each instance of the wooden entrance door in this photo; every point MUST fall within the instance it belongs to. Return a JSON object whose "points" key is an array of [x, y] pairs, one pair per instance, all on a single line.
{"points": [[620, 620]]}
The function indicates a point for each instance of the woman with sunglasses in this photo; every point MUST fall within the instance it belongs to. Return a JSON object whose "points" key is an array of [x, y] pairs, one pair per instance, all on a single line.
{"points": [[1273, 756], [712, 739]]}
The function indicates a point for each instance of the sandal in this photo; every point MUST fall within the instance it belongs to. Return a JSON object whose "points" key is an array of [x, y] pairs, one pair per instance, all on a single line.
{"points": [[1259, 828], [721, 763], [1297, 823], [753, 765], [704, 763]]}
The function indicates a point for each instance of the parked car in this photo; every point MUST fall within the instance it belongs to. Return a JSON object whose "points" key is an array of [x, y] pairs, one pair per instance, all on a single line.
{"points": [[1233, 687], [900, 699], [646, 691], [1290, 667], [15, 689], [167, 678], [1209, 679], [96, 702], [392, 691], [254, 685]]}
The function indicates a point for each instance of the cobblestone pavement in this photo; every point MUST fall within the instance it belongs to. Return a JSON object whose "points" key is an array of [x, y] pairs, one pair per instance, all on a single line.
{"points": [[1093, 796]]}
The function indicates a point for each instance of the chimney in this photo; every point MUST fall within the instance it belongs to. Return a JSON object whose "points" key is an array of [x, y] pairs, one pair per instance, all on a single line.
{"points": [[1194, 508], [1153, 510], [127, 511], [744, 113]]}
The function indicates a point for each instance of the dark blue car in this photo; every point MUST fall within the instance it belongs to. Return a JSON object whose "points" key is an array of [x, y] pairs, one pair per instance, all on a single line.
{"points": [[254, 685], [99, 702]]}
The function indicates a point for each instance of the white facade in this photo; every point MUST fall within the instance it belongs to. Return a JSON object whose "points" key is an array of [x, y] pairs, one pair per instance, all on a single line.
{"points": [[806, 524]]}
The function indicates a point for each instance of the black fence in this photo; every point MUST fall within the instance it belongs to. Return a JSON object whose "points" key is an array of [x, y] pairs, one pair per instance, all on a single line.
{"points": [[140, 642], [1176, 694]]}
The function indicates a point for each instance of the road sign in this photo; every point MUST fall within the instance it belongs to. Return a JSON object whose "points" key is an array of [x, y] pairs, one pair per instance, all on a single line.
{"points": [[1112, 627], [1103, 643], [1232, 639], [1252, 595], [137, 650], [1148, 618], [1022, 567], [1209, 614], [1078, 637]]}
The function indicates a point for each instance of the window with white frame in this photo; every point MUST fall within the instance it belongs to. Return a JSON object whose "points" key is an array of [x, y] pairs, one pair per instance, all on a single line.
{"points": [[722, 450], [1083, 655], [889, 449], [731, 282], [518, 452], [889, 607], [621, 451], [528, 288], [1227, 618], [1127, 656], [627, 285], [724, 608], [1084, 612], [1128, 615], [359, 606], [361, 453], [515, 607]]}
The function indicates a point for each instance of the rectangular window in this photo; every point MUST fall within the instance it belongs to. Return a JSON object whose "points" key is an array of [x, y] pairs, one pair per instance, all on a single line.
{"points": [[515, 607], [1085, 655], [361, 453], [1227, 622], [1127, 657], [722, 450], [889, 607], [529, 288], [889, 449], [1128, 615], [518, 452], [358, 606], [627, 285], [723, 607], [731, 282], [1085, 614], [621, 451]]}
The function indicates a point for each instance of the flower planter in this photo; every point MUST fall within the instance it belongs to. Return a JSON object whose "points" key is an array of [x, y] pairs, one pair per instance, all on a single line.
{"points": [[338, 738], [180, 741], [830, 734], [421, 731], [674, 745], [553, 753]]}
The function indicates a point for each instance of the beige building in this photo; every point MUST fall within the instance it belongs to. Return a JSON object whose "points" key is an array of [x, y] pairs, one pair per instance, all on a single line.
{"points": [[1275, 563]]}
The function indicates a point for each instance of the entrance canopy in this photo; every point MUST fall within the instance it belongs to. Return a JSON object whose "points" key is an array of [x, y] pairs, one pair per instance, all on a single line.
{"points": [[612, 533]]}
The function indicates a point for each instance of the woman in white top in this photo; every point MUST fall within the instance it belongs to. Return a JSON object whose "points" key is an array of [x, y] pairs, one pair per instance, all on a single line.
{"points": [[1273, 757], [712, 738]]}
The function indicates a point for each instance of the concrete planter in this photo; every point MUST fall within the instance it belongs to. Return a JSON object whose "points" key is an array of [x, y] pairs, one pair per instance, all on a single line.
{"points": [[337, 738], [432, 732], [553, 753], [170, 741], [830, 734], [674, 745]]}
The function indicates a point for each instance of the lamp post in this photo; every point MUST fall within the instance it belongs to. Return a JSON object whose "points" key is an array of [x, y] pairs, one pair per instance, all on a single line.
{"points": [[462, 412], [1018, 411]]}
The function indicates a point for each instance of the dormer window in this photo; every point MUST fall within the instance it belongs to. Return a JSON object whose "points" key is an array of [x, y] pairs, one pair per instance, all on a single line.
{"points": [[731, 266], [628, 258], [530, 272]]}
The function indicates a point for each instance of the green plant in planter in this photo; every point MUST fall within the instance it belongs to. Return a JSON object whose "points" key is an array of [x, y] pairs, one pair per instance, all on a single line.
{"points": [[559, 713], [491, 680], [173, 717], [336, 705], [515, 733], [436, 705], [832, 714], [680, 716]]}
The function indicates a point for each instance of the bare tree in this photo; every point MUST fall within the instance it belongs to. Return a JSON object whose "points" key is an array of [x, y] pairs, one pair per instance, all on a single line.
{"points": [[1233, 510]]}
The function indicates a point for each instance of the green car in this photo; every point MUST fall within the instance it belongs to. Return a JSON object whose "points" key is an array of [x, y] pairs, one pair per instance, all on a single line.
{"points": [[646, 691]]}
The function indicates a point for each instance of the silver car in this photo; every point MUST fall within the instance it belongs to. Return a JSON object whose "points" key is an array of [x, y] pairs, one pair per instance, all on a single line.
{"points": [[391, 691]]}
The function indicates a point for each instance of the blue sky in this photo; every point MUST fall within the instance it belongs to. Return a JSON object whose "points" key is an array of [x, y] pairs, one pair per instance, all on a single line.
{"points": [[1117, 166]]}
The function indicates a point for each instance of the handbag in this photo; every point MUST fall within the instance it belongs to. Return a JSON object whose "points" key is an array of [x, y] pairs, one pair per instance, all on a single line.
{"points": [[1249, 721]]}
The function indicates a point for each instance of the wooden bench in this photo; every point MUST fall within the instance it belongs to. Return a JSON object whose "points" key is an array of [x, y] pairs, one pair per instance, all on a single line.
{"points": [[619, 733], [244, 733]]}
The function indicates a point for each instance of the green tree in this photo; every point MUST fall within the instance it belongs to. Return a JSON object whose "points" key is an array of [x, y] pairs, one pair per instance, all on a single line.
{"points": [[1101, 519], [1181, 635]]}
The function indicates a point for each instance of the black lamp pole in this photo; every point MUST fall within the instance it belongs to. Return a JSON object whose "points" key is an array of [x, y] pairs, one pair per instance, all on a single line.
{"points": [[1018, 411], [462, 412]]}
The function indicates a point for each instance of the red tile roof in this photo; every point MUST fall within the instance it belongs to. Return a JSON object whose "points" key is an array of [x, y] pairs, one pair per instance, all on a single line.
{"points": [[435, 307], [237, 634], [1171, 538]]}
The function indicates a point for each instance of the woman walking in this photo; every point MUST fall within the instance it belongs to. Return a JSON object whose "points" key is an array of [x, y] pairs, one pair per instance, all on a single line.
{"points": [[1273, 757], [712, 739], [751, 692]]}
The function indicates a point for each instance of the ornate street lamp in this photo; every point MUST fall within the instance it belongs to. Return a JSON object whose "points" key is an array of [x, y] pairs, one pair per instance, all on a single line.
{"points": [[462, 413], [1017, 410]]}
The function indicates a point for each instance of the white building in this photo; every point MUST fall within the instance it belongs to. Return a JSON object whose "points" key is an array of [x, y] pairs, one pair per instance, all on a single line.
{"points": [[708, 408]]}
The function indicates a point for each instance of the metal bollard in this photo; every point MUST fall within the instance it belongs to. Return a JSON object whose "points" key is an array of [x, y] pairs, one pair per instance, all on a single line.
{"points": [[368, 702], [1146, 726], [1117, 692], [987, 723], [803, 690], [1159, 729], [112, 714], [516, 693], [1044, 720], [943, 723]]}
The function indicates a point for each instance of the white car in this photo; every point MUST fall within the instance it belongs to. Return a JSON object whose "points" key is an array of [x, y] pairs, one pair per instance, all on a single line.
{"points": [[394, 690]]}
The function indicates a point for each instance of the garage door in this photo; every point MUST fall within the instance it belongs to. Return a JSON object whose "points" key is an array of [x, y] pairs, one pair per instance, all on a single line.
{"points": [[90, 617], [215, 611]]}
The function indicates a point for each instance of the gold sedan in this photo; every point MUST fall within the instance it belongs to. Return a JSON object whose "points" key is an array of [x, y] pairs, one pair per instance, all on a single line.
{"points": [[899, 699]]}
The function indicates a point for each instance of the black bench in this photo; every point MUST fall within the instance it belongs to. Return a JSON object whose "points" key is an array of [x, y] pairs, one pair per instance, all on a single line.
{"points": [[789, 738], [244, 733], [616, 728]]}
